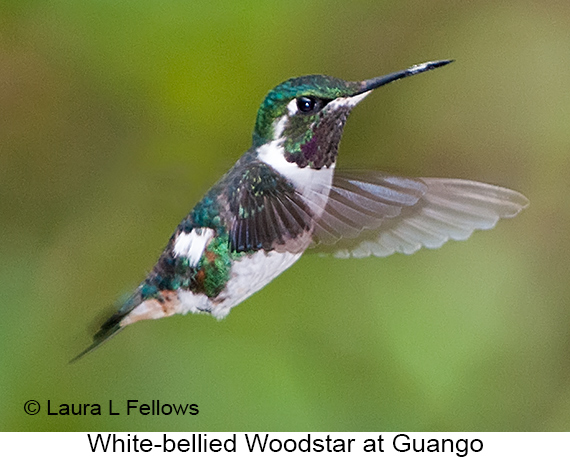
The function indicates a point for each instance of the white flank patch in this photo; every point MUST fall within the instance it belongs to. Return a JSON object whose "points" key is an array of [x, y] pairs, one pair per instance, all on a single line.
{"points": [[193, 303], [192, 244]]}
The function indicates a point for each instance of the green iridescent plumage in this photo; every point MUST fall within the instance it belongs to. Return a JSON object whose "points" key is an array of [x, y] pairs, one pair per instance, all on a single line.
{"points": [[275, 104], [285, 194], [216, 264]]}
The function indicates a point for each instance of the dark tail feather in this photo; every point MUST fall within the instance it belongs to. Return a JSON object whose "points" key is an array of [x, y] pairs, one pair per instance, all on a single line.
{"points": [[112, 326], [100, 337]]}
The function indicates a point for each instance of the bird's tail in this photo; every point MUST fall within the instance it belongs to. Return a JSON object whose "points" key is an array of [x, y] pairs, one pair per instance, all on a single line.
{"points": [[100, 337], [111, 326]]}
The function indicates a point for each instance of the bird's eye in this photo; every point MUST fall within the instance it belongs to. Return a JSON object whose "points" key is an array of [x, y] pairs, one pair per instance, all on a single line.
{"points": [[306, 104]]}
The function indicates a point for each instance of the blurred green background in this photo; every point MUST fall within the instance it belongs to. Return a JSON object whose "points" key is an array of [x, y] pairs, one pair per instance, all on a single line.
{"points": [[115, 117]]}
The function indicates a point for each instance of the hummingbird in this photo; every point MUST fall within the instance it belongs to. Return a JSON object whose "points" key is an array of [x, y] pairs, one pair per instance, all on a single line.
{"points": [[284, 196]]}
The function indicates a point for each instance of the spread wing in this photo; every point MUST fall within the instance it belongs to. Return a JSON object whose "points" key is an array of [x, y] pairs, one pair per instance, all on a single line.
{"points": [[371, 213]]}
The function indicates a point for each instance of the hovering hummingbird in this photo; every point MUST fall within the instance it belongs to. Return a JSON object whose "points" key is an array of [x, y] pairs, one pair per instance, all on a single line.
{"points": [[284, 196]]}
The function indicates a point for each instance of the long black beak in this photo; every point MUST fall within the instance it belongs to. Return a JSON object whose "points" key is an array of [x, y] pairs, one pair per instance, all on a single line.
{"points": [[373, 83]]}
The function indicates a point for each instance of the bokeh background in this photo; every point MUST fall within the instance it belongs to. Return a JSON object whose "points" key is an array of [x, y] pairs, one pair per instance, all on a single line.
{"points": [[115, 117]]}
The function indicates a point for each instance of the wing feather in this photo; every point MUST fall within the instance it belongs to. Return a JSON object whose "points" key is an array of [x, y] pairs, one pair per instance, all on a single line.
{"points": [[376, 214], [267, 212]]}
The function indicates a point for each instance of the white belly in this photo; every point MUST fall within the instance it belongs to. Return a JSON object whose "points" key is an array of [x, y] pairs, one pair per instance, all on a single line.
{"points": [[247, 276], [252, 272]]}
